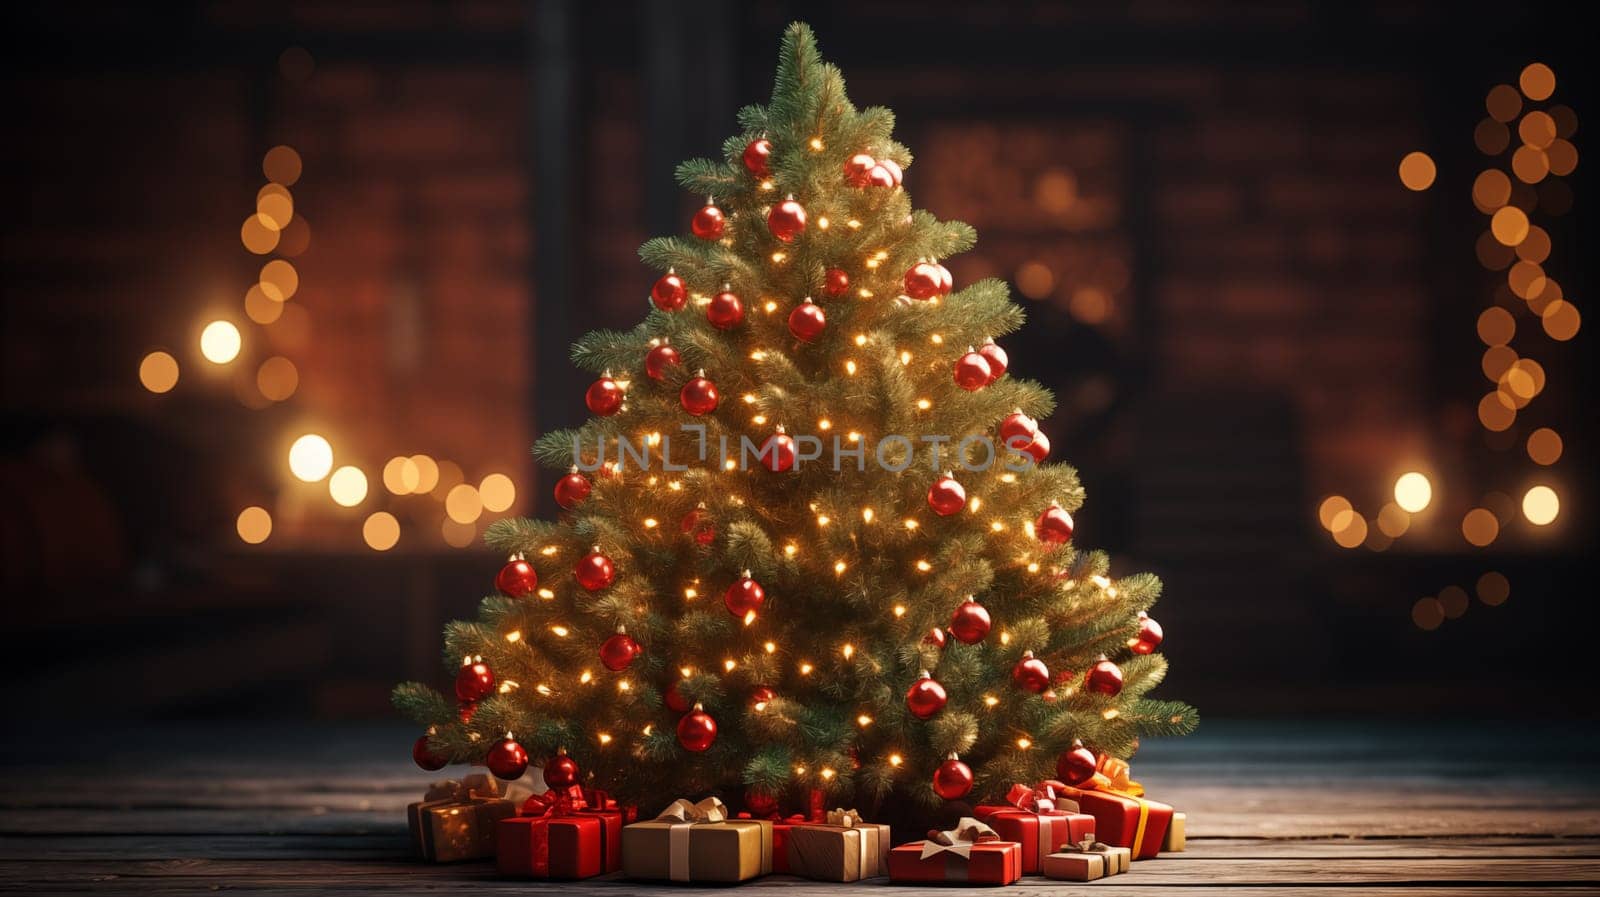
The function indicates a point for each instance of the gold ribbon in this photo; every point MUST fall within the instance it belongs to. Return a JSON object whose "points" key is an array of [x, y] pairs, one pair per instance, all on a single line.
{"points": [[683, 815], [1113, 776]]}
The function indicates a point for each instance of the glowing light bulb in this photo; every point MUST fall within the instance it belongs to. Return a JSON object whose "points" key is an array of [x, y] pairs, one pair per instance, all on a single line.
{"points": [[899, 610], [514, 636], [1111, 713], [848, 650], [623, 685], [559, 631], [827, 774], [816, 144], [853, 224], [863, 721], [546, 594], [604, 738], [850, 367], [838, 567], [1024, 743], [806, 668], [728, 665], [586, 677], [823, 520], [896, 759], [770, 647], [866, 515], [749, 617], [649, 523], [924, 404], [822, 222], [924, 566], [911, 523], [861, 339], [543, 689], [990, 700], [791, 550]]}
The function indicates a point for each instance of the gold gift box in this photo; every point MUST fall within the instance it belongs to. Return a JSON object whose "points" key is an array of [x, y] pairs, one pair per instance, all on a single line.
{"points": [[839, 852], [729, 851]]}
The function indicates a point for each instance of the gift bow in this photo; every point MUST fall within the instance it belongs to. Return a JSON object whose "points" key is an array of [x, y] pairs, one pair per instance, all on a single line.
{"points": [[1043, 799], [554, 803], [1112, 774], [960, 839], [1087, 845], [844, 818], [473, 786], [682, 810]]}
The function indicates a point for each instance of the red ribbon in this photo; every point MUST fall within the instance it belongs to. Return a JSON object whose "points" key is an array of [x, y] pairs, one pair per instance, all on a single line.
{"points": [[555, 803], [1041, 800]]}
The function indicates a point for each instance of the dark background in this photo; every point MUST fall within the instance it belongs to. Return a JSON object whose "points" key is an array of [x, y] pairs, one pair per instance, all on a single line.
{"points": [[1241, 307]]}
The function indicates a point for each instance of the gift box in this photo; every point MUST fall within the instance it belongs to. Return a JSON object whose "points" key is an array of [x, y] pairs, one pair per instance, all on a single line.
{"points": [[1176, 838], [697, 842], [569, 834], [842, 848], [1085, 861], [781, 826], [1038, 818], [972, 853], [1122, 815], [456, 820]]}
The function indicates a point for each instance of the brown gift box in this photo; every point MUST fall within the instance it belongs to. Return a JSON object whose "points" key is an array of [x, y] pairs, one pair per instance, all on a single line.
{"points": [[456, 820], [843, 849], [1086, 861], [1175, 839], [699, 843]]}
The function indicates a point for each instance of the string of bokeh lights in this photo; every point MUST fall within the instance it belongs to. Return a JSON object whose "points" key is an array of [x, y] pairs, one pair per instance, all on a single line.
{"points": [[1517, 185], [275, 227]]}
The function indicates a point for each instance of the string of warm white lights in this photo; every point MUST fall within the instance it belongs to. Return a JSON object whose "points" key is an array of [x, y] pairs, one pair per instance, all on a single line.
{"points": [[1521, 185]]}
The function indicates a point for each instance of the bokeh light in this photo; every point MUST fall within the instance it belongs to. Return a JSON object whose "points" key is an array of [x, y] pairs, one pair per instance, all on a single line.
{"points": [[1562, 157], [1526, 279], [463, 503], [1544, 446], [1035, 279], [1492, 253], [254, 525], [1427, 613], [1413, 491], [310, 458], [1496, 326], [296, 238], [395, 475], [262, 308], [276, 207], [279, 280], [1417, 170], [1480, 527], [1493, 588], [1393, 521], [348, 486], [1497, 360], [381, 531], [1330, 509], [457, 534], [1530, 164], [1503, 102], [220, 342], [257, 236], [1055, 191], [1509, 225], [450, 476], [1537, 81], [498, 492], [1491, 137], [1495, 415], [1541, 505], [277, 378], [1535, 247], [1561, 320], [1090, 305], [281, 165], [1353, 531], [1537, 129], [1491, 189], [158, 372], [427, 474]]}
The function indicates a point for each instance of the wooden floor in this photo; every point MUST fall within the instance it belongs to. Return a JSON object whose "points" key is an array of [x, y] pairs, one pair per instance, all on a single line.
{"points": [[1273, 810]]}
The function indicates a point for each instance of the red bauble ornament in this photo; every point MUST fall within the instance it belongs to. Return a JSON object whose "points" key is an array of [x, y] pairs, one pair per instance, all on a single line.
{"points": [[926, 697], [760, 803], [658, 359], [561, 771], [744, 596], [778, 452], [674, 698], [970, 623], [953, 779], [1076, 765], [1104, 678], [708, 223], [760, 695], [946, 282], [1149, 637], [996, 356], [604, 397], [807, 321], [725, 311], [1019, 426], [893, 167], [620, 650], [946, 496], [507, 759], [922, 281], [972, 372], [787, 220], [880, 176], [756, 154], [1054, 526], [698, 396], [857, 167], [835, 282], [670, 292], [465, 712], [474, 681], [570, 491], [518, 579], [935, 637], [594, 571], [697, 730], [695, 524], [425, 758], [1030, 674], [1039, 448]]}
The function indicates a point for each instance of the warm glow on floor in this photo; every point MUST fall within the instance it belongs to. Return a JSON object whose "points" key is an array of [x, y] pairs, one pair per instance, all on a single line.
{"points": [[220, 342], [310, 458]]}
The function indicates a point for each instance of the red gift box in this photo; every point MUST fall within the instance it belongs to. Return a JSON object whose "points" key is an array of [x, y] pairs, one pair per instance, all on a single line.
{"points": [[971, 853], [562, 835], [1039, 819], [1122, 815], [780, 838]]}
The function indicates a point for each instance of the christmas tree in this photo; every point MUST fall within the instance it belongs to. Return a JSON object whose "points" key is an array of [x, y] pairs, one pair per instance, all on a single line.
{"points": [[809, 541]]}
